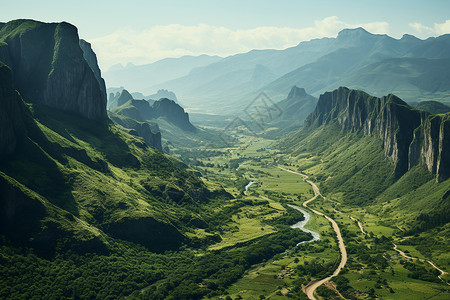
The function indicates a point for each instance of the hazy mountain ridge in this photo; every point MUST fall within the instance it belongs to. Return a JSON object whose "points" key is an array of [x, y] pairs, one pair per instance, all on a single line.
{"points": [[361, 65], [354, 58], [142, 77], [433, 107], [162, 93], [290, 113]]}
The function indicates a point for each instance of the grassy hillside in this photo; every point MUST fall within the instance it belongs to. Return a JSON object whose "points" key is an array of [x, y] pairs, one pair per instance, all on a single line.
{"points": [[103, 178], [354, 168], [90, 211]]}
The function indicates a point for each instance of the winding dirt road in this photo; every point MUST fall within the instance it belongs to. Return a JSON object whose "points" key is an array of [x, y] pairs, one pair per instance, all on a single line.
{"points": [[313, 285], [420, 259], [353, 219]]}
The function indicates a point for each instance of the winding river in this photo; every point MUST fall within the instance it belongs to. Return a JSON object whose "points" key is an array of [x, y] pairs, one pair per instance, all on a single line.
{"points": [[314, 284], [249, 185], [300, 225]]}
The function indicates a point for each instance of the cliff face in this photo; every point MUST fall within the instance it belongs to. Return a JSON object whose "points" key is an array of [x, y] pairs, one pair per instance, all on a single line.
{"points": [[142, 110], [91, 58], [173, 113], [50, 68], [409, 136], [12, 126]]}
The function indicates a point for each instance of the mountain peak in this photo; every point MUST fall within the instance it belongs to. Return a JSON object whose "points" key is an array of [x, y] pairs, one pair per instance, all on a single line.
{"points": [[297, 92], [353, 32], [409, 37], [124, 97]]}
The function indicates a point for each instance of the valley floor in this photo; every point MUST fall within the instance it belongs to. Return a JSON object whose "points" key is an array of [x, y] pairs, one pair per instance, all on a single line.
{"points": [[375, 268]]}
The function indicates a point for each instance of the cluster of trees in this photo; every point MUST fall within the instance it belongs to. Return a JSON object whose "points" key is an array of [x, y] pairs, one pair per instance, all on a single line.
{"points": [[316, 268], [213, 272], [197, 153], [420, 272], [130, 269], [290, 217], [25, 275], [428, 221]]}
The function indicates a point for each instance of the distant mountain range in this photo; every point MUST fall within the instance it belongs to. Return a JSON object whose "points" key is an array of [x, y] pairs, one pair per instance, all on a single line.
{"points": [[115, 93], [414, 69], [141, 78]]}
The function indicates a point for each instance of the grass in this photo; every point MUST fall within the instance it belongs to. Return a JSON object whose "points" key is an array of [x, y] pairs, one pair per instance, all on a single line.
{"points": [[95, 176], [247, 225], [277, 187]]}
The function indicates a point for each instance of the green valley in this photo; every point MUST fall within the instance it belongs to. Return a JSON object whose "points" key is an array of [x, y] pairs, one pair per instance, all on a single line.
{"points": [[255, 175]]}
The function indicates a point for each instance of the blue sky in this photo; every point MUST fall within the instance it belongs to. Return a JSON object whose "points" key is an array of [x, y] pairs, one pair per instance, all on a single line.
{"points": [[145, 31]]}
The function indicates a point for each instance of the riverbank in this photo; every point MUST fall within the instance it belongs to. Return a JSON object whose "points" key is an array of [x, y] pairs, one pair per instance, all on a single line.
{"points": [[310, 288]]}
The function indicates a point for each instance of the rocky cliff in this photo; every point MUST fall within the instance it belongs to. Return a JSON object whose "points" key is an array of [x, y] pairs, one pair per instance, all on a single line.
{"points": [[173, 112], [142, 110], [409, 136], [50, 68], [91, 58], [12, 126]]}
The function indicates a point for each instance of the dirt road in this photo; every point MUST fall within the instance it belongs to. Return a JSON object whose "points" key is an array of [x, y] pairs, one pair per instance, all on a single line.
{"points": [[419, 259], [313, 285], [353, 219]]}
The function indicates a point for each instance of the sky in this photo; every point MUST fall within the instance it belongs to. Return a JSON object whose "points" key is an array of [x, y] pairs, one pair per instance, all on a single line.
{"points": [[142, 32]]}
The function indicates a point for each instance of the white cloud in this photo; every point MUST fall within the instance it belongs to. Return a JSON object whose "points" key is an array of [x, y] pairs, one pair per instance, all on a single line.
{"points": [[437, 29], [157, 42]]}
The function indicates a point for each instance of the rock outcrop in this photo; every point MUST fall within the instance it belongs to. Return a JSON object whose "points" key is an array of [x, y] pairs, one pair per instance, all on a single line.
{"points": [[298, 104], [50, 68], [91, 58], [142, 111], [409, 136], [173, 112], [12, 125]]}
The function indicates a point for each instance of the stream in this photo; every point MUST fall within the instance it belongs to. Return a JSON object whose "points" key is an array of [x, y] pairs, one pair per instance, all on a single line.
{"points": [[249, 185], [300, 225]]}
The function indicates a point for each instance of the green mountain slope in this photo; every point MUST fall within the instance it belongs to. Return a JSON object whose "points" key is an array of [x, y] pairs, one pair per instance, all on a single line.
{"points": [[170, 119], [373, 151], [87, 180], [99, 182]]}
